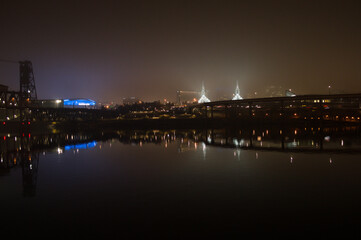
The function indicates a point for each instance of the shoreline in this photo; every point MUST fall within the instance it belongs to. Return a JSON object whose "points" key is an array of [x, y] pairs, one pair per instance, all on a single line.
{"points": [[196, 123]]}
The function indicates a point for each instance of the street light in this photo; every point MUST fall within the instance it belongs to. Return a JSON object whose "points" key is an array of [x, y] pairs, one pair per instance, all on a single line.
{"points": [[329, 89]]}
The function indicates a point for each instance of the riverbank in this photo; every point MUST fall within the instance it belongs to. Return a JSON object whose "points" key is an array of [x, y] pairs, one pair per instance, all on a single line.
{"points": [[194, 123]]}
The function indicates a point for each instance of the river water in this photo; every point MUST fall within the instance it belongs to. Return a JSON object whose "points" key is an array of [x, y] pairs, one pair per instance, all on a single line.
{"points": [[182, 183]]}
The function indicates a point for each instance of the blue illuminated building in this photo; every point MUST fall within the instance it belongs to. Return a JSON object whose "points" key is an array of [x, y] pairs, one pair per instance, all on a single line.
{"points": [[81, 146], [79, 103]]}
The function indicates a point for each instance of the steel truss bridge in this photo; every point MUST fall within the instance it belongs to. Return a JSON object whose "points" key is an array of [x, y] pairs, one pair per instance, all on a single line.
{"points": [[24, 105], [12, 109], [335, 107]]}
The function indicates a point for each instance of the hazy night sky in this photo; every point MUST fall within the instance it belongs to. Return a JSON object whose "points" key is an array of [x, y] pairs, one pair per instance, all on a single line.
{"points": [[107, 50]]}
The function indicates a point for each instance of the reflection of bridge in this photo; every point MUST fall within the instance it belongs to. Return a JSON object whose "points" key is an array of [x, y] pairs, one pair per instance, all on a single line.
{"points": [[24, 150], [281, 147], [326, 140], [336, 107], [22, 156]]}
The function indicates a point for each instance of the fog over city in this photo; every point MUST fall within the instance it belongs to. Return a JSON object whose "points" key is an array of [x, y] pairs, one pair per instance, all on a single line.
{"points": [[150, 49]]}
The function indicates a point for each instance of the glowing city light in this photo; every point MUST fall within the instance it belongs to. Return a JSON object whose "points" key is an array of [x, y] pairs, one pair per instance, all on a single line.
{"points": [[237, 95], [79, 102], [203, 98]]}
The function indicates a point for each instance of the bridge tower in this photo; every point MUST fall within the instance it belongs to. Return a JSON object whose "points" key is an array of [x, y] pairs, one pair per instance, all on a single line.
{"points": [[27, 83], [203, 98], [237, 96]]}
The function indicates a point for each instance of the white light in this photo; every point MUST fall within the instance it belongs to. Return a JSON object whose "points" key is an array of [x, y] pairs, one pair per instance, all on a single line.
{"points": [[60, 151], [237, 95], [203, 98], [58, 101]]}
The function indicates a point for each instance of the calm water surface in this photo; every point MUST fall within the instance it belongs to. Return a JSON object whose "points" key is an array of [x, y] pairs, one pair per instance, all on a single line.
{"points": [[182, 183]]}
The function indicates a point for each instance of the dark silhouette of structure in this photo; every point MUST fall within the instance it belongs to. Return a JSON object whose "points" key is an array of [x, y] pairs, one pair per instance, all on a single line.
{"points": [[27, 83], [24, 105], [335, 107]]}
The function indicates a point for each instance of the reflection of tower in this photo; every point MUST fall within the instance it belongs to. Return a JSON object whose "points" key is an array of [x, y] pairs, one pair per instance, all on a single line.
{"points": [[17, 152], [237, 153], [29, 165], [27, 83], [203, 98], [237, 95], [204, 150]]}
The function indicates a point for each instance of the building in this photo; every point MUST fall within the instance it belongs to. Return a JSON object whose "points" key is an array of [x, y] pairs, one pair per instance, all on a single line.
{"points": [[131, 101], [50, 103], [66, 103], [187, 97], [79, 103], [3, 88]]}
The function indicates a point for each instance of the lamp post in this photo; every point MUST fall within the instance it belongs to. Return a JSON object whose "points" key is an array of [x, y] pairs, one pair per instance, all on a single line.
{"points": [[329, 89]]}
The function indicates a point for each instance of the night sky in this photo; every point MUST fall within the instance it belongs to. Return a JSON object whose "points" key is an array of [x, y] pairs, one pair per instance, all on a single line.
{"points": [[107, 50]]}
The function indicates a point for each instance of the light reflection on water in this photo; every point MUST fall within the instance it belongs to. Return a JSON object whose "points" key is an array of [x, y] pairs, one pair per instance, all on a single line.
{"points": [[223, 179]]}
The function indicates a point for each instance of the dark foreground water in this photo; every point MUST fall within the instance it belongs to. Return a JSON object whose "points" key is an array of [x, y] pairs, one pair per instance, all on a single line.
{"points": [[182, 184]]}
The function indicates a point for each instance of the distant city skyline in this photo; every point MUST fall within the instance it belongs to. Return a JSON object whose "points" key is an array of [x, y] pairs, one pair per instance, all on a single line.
{"points": [[107, 51]]}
